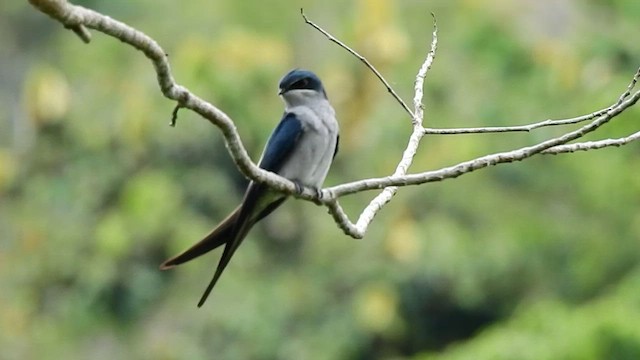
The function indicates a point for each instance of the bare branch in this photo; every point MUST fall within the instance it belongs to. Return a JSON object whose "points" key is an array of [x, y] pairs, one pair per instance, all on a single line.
{"points": [[385, 196], [369, 212], [342, 219], [399, 177], [481, 162], [79, 19]]}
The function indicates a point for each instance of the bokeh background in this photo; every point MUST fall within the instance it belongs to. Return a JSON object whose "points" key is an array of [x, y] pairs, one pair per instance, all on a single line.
{"points": [[532, 260]]}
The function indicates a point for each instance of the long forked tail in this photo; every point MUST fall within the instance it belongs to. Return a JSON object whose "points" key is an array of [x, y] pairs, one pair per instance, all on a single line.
{"points": [[243, 224], [217, 237], [230, 232], [229, 249]]}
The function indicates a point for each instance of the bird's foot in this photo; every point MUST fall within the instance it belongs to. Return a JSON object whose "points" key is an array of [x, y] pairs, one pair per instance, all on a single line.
{"points": [[300, 189], [318, 199]]}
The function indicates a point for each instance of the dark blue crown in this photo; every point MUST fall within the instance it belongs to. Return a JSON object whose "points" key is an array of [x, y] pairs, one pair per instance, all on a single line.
{"points": [[300, 79]]}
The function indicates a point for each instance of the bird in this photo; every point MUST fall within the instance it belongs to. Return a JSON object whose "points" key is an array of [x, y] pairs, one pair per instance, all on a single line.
{"points": [[301, 148]]}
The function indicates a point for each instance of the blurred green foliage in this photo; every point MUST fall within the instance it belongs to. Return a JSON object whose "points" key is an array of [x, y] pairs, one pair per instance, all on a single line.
{"points": [[532, 260]]}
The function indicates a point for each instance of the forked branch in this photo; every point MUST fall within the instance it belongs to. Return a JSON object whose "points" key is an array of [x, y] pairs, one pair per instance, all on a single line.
{"points": [[80, 19]]}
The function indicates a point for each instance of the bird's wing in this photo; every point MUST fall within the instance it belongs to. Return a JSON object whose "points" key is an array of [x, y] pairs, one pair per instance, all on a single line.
{"points": [[281, 144]]}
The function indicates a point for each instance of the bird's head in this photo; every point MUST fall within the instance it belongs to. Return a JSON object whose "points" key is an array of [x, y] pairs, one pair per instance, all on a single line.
{"points": [[299, 83]]}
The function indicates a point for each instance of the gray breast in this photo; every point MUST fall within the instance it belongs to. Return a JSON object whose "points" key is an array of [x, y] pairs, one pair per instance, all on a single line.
{"points": [[310, 162]]}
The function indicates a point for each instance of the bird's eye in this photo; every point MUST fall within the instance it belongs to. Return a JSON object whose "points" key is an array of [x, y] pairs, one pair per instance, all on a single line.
{"points": [[301, 84]]}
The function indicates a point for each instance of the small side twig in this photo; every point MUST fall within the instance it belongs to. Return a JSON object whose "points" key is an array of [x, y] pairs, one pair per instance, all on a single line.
{"points": [[81, 31], [58, 9], [174, 115]]}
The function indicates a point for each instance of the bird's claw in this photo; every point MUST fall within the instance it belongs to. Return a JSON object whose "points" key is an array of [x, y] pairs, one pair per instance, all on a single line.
{"points": [[318, 198], [300, 189]]}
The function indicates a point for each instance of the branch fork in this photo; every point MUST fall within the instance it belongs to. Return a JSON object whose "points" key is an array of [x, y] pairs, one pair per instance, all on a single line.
{"points": [[80, 19]]}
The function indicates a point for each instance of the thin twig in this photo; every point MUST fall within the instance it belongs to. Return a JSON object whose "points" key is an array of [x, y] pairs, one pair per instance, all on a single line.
{"points": [[533, 126], [418, 88], [361, 58], [81, 31], [518, 128]]}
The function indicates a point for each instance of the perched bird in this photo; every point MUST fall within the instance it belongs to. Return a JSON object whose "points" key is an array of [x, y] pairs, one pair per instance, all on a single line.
{"points": [[301, 149]]}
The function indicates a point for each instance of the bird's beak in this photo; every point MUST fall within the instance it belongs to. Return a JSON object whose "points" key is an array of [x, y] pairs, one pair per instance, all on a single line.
{"points": [[281, 91]]}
